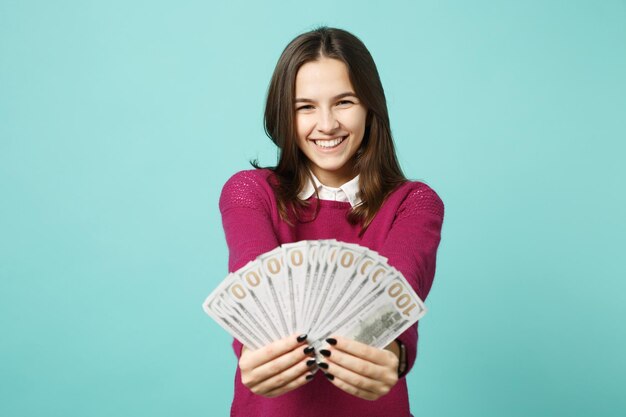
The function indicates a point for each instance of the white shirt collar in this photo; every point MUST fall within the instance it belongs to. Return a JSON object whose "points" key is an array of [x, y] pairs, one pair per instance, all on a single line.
{"points": [[347, 192]]}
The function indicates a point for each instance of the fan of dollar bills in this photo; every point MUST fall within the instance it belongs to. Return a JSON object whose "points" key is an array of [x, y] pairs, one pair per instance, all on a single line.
{"points": [[318, 288]]}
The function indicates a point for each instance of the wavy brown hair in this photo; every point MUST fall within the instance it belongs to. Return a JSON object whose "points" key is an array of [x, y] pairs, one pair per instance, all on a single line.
{"points": [[376, 160]]}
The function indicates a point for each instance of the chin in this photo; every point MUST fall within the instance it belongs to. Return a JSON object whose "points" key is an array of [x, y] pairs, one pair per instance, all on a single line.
{"points": [[330, 168]]}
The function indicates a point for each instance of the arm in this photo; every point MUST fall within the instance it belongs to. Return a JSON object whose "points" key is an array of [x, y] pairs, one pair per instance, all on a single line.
{"points": [[245, 205], [246, 218], [411, 247]]}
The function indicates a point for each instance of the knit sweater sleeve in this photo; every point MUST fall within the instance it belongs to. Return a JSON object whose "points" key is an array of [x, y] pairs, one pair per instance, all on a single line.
{"points": [[245, 206], [411, 247]]}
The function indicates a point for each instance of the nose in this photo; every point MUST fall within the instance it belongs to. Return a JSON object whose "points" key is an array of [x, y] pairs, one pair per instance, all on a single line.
{"points": [[327, 122]]}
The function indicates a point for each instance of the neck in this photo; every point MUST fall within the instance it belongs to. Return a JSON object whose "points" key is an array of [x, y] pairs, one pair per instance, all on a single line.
{"points": [[335, 179]]}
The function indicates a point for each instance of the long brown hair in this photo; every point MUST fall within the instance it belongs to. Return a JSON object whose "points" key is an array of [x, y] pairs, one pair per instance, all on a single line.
{"points": [[376, 160]]}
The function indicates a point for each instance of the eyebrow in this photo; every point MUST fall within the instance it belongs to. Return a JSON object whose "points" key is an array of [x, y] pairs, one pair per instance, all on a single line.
{"points": [[337, 97]]}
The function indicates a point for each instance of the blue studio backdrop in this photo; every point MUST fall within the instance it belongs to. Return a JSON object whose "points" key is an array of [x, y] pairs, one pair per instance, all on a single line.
{"points": [[121, 120]]}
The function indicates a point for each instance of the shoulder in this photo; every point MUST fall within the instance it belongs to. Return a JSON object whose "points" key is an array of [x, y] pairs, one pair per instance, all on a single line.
{"points": [[248, 188], [247, 178], [417, 196]]}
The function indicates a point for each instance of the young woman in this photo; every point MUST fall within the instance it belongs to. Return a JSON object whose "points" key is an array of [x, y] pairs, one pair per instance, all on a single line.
{"points": [[337, 177]]}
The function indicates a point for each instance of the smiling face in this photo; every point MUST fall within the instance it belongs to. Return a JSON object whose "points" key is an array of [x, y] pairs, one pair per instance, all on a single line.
{"points": [[330, 120]]}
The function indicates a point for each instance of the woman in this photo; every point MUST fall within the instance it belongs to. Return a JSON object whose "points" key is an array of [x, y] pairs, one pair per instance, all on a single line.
{"points": [[337, 177]]}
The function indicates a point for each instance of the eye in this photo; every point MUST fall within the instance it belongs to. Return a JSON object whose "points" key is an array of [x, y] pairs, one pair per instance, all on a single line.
{"points": [[345, 102], [308, 106]]}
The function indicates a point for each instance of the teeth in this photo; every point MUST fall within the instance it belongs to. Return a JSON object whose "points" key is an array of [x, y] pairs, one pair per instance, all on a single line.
{"points": [[329, 143]]}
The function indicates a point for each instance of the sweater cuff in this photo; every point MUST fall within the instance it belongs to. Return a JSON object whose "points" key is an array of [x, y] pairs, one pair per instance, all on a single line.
{"points": [[409, 340], [237, 347]]}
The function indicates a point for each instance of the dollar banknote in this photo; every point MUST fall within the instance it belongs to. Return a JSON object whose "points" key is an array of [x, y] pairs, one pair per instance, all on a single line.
{"points": [[315, 287]]}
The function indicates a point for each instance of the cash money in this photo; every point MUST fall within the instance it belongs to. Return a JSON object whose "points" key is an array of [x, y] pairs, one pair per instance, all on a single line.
{"points": [[317, 287]]}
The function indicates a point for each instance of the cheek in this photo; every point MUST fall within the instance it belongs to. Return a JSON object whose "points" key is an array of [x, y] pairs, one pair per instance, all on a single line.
{"points": [[302, 128], [357, 120], [359, 128]]}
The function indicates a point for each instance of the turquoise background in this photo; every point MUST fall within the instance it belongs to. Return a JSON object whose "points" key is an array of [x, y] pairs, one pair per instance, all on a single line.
{"points": [[120, 121]]}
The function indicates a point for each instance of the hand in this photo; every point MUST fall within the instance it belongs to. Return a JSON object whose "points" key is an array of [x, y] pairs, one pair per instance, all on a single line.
{"points": [[359, 369], [276, 368]]}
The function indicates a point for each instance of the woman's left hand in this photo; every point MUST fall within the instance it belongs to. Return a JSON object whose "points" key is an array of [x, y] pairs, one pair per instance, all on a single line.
{"points": [[359, 369]]}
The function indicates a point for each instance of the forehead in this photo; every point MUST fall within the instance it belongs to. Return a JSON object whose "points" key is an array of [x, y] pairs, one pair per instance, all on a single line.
{"points": [[323, 78]]}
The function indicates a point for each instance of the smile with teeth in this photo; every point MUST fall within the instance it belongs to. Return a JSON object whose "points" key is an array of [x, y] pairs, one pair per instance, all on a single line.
{"points": [[327, 144]]}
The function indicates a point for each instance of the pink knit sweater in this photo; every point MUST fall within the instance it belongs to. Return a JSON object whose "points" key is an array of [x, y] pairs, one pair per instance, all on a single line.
{"points": [[406, 230]]}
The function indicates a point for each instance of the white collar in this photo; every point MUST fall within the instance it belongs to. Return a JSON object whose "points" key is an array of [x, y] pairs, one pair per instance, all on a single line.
{"points": [[347, 192]]}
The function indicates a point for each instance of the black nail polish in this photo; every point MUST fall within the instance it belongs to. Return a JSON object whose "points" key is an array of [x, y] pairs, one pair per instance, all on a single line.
{"points": [[309, 377], [325, 352], [308, 349], [329, 376], [322, 365], [331, 341], [301, 338], [310, 362]]}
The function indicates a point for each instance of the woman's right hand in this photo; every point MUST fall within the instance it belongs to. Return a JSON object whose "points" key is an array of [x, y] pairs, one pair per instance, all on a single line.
{"points": [[277, 368]]}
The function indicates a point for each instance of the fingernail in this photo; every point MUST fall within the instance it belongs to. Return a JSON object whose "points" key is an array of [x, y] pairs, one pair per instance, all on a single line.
{"points": [[331, 341], [309, 377], [310, 362], [325, 352], [322, 365], [308, 350], [329, 376], [301, 338]]}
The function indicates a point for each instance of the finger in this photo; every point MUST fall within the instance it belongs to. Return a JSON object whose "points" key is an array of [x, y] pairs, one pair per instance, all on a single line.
{"points": [[274, 367], [290, 386], [254, 358], [351, 389], [362, 366], [361, 350], [357, 381], [286, 377]]}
